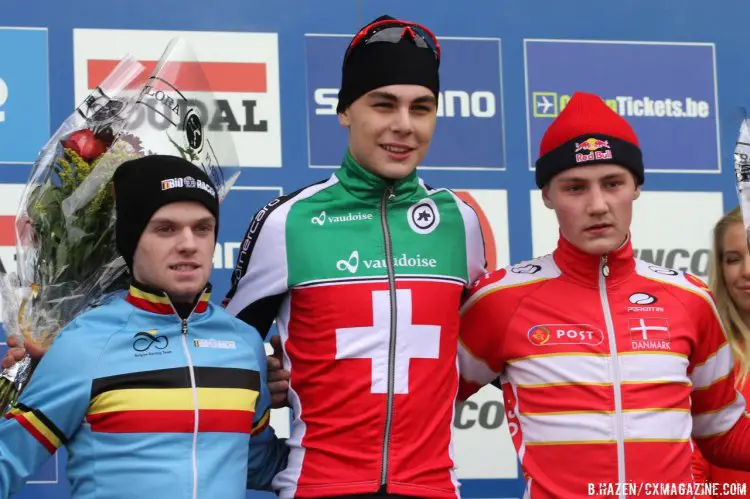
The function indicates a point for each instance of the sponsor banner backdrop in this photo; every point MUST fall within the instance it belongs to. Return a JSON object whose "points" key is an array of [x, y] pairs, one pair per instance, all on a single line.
{"points": [[667, 92], [469, 133], [242, 70], [669, 229], [24, 94], [484, 449], [276, 67], [491, 206]]}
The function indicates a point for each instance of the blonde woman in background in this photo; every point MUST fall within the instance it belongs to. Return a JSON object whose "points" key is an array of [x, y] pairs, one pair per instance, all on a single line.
{"points": [[729, 280]]}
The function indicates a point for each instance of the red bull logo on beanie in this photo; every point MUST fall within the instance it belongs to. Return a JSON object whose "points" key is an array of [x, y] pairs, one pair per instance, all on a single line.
{"points": [[593, 150], [591, 145]]}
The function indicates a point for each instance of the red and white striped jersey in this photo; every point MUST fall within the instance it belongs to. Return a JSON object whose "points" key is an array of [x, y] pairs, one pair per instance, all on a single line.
{"points": [[607, 364]]}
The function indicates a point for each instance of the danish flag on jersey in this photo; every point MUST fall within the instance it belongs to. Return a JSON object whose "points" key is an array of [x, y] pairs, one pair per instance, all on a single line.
{"points": [[650, 329]]}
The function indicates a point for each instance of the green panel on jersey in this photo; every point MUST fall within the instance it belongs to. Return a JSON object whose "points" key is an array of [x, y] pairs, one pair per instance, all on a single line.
{"points": [[343, 236]]}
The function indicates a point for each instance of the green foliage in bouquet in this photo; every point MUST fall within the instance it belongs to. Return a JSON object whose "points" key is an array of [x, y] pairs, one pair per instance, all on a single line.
{"points": [[71, 250]]}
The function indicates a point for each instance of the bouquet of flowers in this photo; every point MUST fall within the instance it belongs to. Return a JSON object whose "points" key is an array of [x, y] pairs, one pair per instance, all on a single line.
{"points": [[66, 258]]}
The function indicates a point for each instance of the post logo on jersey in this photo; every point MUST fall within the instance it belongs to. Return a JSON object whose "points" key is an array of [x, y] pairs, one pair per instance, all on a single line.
{"points": [[539, 335], [469, 133], [241, 70], [666, 91], [24, 94], [565, 334]]}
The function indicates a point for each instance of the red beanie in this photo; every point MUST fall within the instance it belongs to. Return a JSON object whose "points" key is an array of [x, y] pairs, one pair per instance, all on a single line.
{"points": [[588, 131]]}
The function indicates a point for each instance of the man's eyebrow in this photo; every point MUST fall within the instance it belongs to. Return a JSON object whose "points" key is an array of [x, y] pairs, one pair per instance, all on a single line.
{"points": [[425, 98], [574, 179], [383, 95], [172, 221], [379, 94], [584, 179]]}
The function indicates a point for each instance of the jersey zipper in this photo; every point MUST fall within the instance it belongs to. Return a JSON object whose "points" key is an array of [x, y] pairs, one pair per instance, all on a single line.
{"points": [[388, 196], [604, 272], [196, 412]]}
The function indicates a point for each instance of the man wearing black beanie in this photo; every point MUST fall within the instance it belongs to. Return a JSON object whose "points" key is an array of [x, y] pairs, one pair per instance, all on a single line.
{"points": [[144, 186], [158, 375], [364, 273], [156, 196]]}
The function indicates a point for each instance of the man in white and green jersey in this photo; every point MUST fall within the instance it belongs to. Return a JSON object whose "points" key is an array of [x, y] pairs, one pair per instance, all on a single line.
{"points": [[364, 274]]}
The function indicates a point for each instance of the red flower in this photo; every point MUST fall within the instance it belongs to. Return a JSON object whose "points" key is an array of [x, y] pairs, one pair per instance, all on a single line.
{"points": [[25, 230], [85, 144]]}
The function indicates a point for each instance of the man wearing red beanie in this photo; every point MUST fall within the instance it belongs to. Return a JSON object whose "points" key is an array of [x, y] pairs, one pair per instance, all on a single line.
{"points": [[608, 364]]}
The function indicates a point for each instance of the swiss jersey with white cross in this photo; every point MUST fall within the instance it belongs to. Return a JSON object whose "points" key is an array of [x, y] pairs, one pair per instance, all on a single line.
{"points": [[365, 282]]}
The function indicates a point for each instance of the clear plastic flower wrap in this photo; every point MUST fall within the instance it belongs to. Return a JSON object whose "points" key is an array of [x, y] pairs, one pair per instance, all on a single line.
{"points": [[742, 172], [66, 258]]}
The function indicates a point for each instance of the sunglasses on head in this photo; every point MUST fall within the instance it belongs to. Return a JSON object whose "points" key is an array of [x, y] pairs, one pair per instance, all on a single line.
{"points": [[393, 31]]}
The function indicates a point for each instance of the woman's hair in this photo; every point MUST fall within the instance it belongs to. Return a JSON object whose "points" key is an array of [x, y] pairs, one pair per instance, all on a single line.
{"points": [[738, 331]]}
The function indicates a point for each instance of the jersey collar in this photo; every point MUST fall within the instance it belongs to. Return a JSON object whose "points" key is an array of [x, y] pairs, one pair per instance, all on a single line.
{"points": [[586, 268], [370, 187], [156, 301]]}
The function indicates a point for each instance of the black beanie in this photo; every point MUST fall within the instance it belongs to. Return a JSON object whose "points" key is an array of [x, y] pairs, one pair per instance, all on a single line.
{"points": [[144, 185], [379, 64]]}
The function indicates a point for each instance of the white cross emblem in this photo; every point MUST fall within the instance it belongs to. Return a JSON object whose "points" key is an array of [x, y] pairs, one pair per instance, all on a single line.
{"points": [[643, 328], [371, 342]]}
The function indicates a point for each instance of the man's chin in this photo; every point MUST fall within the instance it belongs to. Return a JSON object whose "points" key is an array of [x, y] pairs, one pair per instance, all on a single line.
{"points": [[600, 246], [184, 293], [397, 171], [603, 247]]}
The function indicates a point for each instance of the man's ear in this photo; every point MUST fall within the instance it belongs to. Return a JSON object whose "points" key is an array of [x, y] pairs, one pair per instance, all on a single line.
{"points": [[637, 192], [545, 197], [344, 119]]}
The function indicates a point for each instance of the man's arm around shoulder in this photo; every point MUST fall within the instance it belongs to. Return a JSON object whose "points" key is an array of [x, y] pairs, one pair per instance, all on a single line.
{"points": [[268, 453]]}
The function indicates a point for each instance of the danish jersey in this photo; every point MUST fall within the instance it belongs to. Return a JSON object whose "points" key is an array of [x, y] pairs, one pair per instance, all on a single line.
{"points": [[365, 280], [608, 365]]}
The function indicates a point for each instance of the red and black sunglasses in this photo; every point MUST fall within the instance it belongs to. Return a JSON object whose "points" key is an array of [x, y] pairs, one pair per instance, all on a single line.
{"points": [[393, 31]]}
